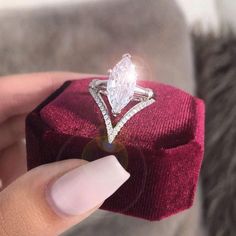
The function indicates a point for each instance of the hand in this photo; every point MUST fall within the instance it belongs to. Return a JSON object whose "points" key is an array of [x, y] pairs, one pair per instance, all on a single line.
{"points": [[51, 198]]}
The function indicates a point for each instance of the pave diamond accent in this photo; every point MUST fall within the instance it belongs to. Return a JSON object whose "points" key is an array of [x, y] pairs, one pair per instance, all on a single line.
{"points": [[121, 84], [112, 132]]}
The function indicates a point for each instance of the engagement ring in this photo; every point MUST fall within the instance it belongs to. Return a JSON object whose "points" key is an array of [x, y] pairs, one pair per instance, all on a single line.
{"points": [[120, 89]]}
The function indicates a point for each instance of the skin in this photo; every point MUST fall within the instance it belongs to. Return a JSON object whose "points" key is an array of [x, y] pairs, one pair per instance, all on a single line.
{"points": [[23, 207]]}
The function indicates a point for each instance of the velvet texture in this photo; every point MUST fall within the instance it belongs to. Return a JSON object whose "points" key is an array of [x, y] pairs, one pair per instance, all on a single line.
{"points": [[161, 146]]}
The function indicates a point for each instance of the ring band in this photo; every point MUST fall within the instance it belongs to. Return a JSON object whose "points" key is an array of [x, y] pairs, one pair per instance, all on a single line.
{"points": [[120, 88]]}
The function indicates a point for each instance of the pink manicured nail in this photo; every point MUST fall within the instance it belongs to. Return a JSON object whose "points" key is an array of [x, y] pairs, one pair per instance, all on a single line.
{"points": [[85, 187]]}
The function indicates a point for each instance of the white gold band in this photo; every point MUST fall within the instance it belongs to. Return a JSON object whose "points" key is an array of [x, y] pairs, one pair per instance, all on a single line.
{"points": [[120, 89], [112, 132]]}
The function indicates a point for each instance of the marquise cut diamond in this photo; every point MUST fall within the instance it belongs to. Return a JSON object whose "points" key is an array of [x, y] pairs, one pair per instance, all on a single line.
{"points": [[121, 84]]}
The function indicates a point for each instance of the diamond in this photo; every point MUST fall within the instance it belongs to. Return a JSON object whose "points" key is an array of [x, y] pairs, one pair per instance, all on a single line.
{"points": [[121, 84]]}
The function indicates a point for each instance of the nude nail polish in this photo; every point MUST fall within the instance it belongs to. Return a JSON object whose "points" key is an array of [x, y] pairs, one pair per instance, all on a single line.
{"points": [[87, 186]]}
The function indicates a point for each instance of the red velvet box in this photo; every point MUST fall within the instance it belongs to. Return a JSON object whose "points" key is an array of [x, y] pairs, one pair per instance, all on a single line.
{"points": [[161, 146]]}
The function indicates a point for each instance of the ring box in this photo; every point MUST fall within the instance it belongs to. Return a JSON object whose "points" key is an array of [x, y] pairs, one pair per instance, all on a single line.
{"points": [[161, 146]]}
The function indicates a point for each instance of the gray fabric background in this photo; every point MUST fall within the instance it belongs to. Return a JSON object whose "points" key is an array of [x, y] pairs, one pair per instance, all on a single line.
{"points": [[216, 72]]}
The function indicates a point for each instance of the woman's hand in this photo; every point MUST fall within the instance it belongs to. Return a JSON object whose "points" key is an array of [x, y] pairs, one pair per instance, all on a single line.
{"points": [[51, 198]]}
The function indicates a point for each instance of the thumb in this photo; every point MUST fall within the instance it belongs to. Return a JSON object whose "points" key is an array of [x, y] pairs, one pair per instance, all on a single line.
{"points": [[51, 198]]}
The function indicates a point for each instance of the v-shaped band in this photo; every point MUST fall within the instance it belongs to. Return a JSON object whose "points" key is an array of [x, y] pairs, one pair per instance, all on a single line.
{"points": [[112, 132]]}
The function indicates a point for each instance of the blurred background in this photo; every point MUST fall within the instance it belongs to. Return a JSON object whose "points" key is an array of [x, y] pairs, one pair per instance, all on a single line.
{"points": [[189, 44], [209, 12]]}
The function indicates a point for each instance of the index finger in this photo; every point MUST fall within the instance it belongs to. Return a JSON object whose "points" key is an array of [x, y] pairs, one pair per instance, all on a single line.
{"points": [[21, 93]]}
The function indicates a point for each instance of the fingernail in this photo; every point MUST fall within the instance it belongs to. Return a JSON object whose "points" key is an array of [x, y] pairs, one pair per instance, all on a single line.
{"points": [[87, 186]]}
